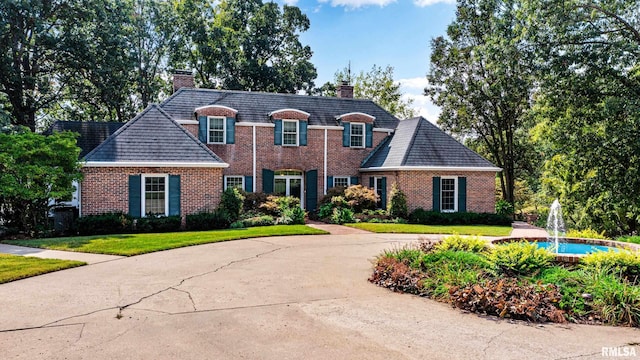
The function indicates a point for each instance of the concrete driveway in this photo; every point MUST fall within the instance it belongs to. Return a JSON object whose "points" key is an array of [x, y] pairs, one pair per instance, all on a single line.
{"points": [[299, 297]]}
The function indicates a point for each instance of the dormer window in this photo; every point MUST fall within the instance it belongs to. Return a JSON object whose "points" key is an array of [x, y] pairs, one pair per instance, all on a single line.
{"points": [[290, 132], [357, 135], [217, 130]]}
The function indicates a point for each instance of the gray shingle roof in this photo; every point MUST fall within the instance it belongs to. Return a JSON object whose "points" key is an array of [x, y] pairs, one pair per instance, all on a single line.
{"points": [[419, 143], [152, 136], [255, 106], [92, 133]]}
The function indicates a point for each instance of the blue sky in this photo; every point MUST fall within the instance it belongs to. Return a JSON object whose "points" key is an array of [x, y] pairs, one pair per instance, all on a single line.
{"points": [[381, 32]]}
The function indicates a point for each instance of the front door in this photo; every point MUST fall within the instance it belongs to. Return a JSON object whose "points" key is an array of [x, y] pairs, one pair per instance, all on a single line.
{"points": [[288, 183]]}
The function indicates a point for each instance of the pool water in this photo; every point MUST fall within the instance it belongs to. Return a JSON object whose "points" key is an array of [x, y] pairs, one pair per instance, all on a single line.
{"points": [[573, 248]]}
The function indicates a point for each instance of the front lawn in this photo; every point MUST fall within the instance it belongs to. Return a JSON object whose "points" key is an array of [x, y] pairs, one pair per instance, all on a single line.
{"points": [[136, 244], [479, 230], [14, 267]]}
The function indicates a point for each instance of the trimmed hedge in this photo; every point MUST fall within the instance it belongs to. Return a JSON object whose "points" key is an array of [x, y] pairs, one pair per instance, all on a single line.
{"points": [[158, 224], [421, 216], [109, 223], [218, 219]]}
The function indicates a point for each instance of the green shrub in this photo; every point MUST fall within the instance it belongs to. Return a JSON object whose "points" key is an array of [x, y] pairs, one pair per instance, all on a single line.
{"points": [[292, 216], [217, 219], [463, 243], [262, 220], [504, 208], [158, 224], [408, 254], [520, 258], [398, 203], [331, 192], [629, 239], [277, 205], [360, 197], [571, 284], [447, 269], [421, 216], [342, 215], [109, 223], [616, 301], [231, 203], [625, 264], [586, 234]]}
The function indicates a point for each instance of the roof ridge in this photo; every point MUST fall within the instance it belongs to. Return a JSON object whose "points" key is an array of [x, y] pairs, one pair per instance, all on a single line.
{"points": [[121, 129], [413, 138], [465, 146]]}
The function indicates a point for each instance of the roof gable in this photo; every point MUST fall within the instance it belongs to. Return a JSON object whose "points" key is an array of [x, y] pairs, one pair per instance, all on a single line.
{"points": [[92, 133], [418, 144], [256, 106], [153, 137]]}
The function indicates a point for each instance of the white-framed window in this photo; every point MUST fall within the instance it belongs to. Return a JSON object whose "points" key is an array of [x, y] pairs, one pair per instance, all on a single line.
{"points": [[343, 181], [357, 135], [290, 132], [378, 187], [155, 199], [449, 194], [233, 181], [216, 130]]}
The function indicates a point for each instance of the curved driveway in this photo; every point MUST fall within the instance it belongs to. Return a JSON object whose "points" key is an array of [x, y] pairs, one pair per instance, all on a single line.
{"points": [[298, 297]]}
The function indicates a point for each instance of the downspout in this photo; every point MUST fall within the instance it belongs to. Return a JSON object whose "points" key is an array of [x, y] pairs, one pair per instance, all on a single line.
{"points": [[325, 162], [255, 178]]}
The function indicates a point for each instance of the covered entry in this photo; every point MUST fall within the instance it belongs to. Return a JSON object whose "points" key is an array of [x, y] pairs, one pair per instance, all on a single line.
{"points": [[291, 182]]}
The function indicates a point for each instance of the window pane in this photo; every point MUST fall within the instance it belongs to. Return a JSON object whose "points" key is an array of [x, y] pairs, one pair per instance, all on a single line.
{"points": [[448, 191], [340, 181], [154, 195], [216, 130], [234, 181], [290, 133], [357, 135]]}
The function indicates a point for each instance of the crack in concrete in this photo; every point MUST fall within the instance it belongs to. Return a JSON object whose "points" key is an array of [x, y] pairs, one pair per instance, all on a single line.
{"points": [[579, 356], [39, 327], [257, 306], [193, 303], [81, 332], [488, 345]]}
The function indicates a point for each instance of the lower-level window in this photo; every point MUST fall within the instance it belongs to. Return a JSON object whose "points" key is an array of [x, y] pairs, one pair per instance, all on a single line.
{"points": [[155, 195], [340, 181], [448, 195], [234, 182]]}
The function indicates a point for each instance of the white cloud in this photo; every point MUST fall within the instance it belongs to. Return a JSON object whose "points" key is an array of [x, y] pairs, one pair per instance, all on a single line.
{"points": [[416, 83], [354, 4], [425, 3], [413, 89], [290, 2]]}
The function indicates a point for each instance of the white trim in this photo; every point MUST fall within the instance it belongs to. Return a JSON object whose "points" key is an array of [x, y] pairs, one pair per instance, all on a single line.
{"points": [[188, 122], [324, 127], [363, 135], [255, 124], [355, 113], [153, 164], [216, 106], [297, 132], [296, 110], [233, 176], [79, 199], [255, 171], [388, 131], [455, 194], [324, 172], [143, 194], [430, 168], [224, 129], [341, 177]]}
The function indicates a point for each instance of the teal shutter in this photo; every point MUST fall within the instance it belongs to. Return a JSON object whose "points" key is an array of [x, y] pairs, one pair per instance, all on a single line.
{"points": [[329, 182], [248, 183], [311, 197], [303, 133], [383, 193], [174, 195], [202, 129], [346, 134], [135, 201], [436, 194], [462, 194], [372, 182], [231, 130], [354, 180], [368, 135], [277, 133], [267, 181]]}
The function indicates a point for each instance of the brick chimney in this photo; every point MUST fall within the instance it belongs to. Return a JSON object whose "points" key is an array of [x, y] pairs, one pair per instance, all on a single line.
{"points": [[345, 90], [182, 78]]}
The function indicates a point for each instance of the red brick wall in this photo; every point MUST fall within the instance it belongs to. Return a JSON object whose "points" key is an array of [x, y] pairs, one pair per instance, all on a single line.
{"points": [[290, 114], [106, 189], [418, 186], [216, 111], [357, 118]]}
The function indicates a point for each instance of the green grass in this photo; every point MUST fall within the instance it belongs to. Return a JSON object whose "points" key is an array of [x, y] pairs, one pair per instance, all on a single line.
{"points": [[479, 230], [136, 244], [629, 239], [14, 267]]}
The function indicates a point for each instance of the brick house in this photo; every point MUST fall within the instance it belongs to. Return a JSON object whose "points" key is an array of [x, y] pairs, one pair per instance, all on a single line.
{"points": [[177, 157]]}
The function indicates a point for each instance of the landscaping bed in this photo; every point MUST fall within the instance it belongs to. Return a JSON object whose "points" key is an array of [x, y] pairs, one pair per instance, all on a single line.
{"points": [[389, 228], [516, 281]]}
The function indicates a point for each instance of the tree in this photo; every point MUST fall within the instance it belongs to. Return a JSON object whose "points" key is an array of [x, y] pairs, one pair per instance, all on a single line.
{"points": [[33, 169], [481, 78], [377, 85], [246, 45], [588, 108]]}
